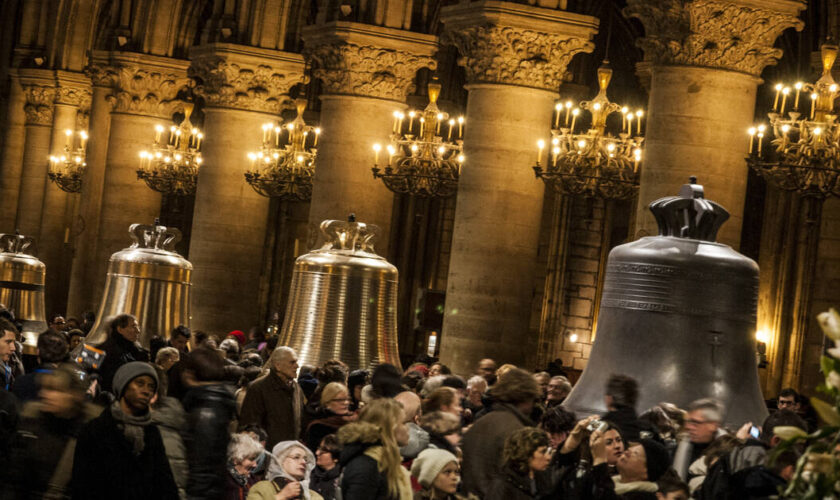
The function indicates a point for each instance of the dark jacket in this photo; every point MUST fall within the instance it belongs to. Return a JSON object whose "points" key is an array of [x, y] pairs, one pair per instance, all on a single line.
{"points": [[361, 479], [604, 488], [325, 482], [483, 444], [8, 422], [42, 443], [510, 485], [118, 351], [324, 423], [26, 386], [210, 410], [269, 403], [628, 423], [105, 467], [235, 491]]}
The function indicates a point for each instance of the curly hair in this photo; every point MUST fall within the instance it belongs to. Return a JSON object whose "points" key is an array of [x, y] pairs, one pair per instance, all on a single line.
{"points": [[558, 419], [520, 447]]}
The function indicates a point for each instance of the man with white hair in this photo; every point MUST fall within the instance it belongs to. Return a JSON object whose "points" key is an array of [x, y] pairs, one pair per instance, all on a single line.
{"points": [[703, 425], [275, 402]]}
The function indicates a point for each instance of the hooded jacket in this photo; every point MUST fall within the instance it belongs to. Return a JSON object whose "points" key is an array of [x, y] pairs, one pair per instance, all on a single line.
{"points": [[277, 478], [362, 479]]}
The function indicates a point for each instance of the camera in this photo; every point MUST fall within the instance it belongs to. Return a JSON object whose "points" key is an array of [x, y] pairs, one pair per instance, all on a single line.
{"points": [[597, 425]]}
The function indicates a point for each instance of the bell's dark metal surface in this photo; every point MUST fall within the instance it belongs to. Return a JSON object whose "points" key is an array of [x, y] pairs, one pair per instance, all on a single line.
{"points": [[343, 301], [678, 314], [22, 287], [149, 280]]}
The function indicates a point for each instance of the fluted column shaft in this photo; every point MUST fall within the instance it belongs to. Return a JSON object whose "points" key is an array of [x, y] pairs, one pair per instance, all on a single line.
{"points": [[12, 159], [357, 111], [243, 88], [705, 58], [499, 206]]}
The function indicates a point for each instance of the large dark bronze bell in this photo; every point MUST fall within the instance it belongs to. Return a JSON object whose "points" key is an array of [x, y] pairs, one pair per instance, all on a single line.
{"points": [[678, 314]]}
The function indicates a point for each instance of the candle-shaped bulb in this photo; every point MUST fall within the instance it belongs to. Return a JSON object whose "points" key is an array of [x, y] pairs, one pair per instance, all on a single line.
{"points": [[575, 112], [610, 147], [414, 148], [377, 147], [460, 120], [300, 158], [814, 96], [439, 116], [83, 134], [460, 158], [637, 153], [762, 128], [68, 132], [178, 157], [555, 141], [786, 91], [396, 114], [143, 154], [558, 106], [290, 126], [581, 144], [275, 155], [596, 106], [569, 104], [194, 131], [411, 114], [159, 128], [751, 130], [779, 86], [639, 113], [198, 160], [541, 144], [391, 149], [624, 110], [785, 128], [556, 151], [817, 131], [317, 130], [441, 150]]}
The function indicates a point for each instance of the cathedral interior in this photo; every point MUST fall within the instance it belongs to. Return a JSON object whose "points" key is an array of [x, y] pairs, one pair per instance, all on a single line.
{"points": [[495, 262]]}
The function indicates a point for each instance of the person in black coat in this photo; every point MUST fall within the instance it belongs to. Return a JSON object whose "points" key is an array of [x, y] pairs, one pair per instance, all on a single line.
{"points": [[639, 468], [327, 472], [525, 456], [120, 348], [121, 454], [52, 350], [210, 409], [621, 395], [333, 413]]}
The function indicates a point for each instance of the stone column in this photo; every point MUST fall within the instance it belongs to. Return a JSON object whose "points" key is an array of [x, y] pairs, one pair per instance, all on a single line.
{"points": [[72, 92], [39, 88], [11, 163], [515, 56], [82, 296], [244, 88], [705, 57], [143, 96], [366, 72]]}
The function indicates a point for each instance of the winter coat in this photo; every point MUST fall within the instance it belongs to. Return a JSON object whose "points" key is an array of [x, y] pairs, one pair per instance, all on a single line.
{"points": [[511, 485], [361, 478], [172, 421], [118, 351], [41, 456], [628, 423], [483, 444], [210, 410], [236, 491], [8, 422], [323, 423], [418, 440], [268, 490], [606, 487], [105, 467], [687, 452], [274, 405], [326, 482]]}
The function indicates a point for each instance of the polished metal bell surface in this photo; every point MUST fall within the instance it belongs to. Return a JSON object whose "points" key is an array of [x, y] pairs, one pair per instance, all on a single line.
{"points": [[678, 314], [343, 301], [22, 287], [149, 280]]}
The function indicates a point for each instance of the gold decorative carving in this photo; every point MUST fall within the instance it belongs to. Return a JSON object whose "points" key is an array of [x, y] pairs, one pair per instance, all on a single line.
{"points": [[353, 69], [145, 90], [40, 104], [515, 56], [711, 33], [251, 87]]}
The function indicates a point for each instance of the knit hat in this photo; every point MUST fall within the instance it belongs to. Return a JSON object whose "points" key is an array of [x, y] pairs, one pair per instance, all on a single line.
{"points": [[130, 371], [657, 459], [429, 463], [238, 335]]}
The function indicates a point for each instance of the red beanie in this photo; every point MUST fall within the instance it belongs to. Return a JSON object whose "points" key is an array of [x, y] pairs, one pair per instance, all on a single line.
{"points": [[238, 335]]}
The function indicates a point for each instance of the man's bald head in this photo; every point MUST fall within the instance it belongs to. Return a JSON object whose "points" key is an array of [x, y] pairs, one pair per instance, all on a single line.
{"points": [[410, 403]]}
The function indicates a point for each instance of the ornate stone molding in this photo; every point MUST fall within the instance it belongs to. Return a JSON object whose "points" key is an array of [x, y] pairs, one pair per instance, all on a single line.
{"points": [[73, 96], [142, 90], [40, 104], [352, 69], [101, 74], [364, 60], [515, 44], [736, 35], [515, 56]]}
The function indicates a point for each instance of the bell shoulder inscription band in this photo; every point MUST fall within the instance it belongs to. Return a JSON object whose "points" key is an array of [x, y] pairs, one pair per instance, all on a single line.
{"points": [[343, 300], [678, 314], [22, 279], [150, 280]]}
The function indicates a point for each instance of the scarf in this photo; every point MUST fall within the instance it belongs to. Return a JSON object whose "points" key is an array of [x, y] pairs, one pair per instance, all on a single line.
{"points": [[132, 426], [240, 479], [644, 486]]}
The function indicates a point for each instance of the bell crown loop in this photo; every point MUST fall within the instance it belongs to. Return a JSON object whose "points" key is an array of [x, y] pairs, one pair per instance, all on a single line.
{"points": [[16, 243], [154, 237], [349, 236], [689, 214]]}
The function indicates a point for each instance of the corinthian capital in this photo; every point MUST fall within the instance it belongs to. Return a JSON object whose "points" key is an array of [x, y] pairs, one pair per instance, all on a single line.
{"points": [[143, 84], [246, 78], [39, 107], [73, 89], [736, 35], [370, 61]]}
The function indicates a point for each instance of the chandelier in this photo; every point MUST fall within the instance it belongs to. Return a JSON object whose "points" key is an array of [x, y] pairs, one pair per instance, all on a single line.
{"points": [[286, 172], [594, 163], [425, 164], [66, 170], [804, 152], [171, 167]]}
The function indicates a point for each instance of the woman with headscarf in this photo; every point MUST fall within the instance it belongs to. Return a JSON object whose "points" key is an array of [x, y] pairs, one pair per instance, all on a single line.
{"points": [[288, 474]]}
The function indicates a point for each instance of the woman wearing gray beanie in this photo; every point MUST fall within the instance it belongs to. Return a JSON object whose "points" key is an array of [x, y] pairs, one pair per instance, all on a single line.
{"points": [[438, 473]]}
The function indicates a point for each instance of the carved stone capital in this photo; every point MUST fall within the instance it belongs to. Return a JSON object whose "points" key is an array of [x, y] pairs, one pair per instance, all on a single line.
{"points": [[40, 104], [73, 89], [246, 78], [515, 44], [736, 35], [143, 84], [101, 74], [369, 61]]}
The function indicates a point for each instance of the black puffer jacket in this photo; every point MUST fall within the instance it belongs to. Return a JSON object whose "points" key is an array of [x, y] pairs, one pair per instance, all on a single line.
{"points": [[118, 351], [210, 410], [362, 479]]}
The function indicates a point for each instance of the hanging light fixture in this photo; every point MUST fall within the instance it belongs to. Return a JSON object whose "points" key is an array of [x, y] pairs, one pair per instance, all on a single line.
{"points": [[285, 172], [803, 153], [171, 167], [421, 162], [594, 163], [66, 169]]}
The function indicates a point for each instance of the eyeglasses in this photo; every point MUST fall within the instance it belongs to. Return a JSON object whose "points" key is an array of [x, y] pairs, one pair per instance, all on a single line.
{"points": [[697, 422], [296, 457]]}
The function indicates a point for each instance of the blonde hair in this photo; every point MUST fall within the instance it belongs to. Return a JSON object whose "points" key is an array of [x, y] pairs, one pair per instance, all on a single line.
{"points": [[385, 413], [504, 369], [332, 390]]}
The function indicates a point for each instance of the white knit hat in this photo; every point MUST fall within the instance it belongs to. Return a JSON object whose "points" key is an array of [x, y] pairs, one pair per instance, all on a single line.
{"points": [[429, 463]]}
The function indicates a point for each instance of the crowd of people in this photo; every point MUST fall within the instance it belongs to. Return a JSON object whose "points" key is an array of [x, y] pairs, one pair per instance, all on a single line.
{"points": [[236, 418]]}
